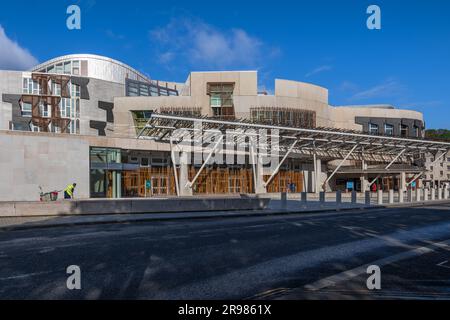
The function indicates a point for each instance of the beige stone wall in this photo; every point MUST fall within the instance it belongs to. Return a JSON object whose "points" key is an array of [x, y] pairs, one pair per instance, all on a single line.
{"points": [[29, 160], [288, 94], [344, 117]]}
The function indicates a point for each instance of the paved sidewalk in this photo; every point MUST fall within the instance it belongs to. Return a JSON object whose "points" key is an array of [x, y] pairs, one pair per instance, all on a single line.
{"points": [[276, 208]]}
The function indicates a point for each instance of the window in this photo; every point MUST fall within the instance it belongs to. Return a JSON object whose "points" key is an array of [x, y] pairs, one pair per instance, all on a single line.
{"points": [[144, 162], [43, 108], [30, 87], [163, 92], [404, 130], [67, 67], [133, 90], [373, 128], [154, 91], [216, 101], [51, 69], [75, 90], [76, 67], [388, 130], [442, 173], [26, 109], [59, 68], [143, 90]]}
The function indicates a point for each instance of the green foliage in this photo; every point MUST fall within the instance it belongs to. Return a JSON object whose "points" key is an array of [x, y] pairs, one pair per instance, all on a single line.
{"points": [[441, 134]]}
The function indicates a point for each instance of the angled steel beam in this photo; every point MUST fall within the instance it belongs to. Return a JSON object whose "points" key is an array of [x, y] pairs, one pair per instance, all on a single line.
{"points": [[338, 167]]}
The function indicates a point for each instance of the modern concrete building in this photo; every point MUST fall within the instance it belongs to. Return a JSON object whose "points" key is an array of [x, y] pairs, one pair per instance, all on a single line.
{"points": [[80, 118]]}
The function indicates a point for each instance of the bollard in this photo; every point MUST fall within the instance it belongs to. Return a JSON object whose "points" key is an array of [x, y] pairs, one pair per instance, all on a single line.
{"points": [[284, 200], [433, 194], [409, 195], [367, 198], [322, 197], [304, 196], [401, 196], [354, 196], [425, 194], [391, 196], [439, 193], [338, 197], [418, 194], [380, 197]]}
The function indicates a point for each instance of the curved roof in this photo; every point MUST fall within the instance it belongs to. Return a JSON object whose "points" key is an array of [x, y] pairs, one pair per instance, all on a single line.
{"points": [[98, 60]]}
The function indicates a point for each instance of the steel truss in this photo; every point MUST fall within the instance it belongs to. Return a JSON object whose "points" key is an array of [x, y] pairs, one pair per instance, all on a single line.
{"points": [[326, 143]]}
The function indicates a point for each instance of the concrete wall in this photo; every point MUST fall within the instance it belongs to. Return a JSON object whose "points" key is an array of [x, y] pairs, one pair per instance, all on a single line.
{"points": [[30, 161], [10, 83]]}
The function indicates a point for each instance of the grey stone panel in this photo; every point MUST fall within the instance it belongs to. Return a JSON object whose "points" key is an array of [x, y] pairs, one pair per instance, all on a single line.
{"points": [[108, 107], [20, 122], [99, 126], [83, 83]]}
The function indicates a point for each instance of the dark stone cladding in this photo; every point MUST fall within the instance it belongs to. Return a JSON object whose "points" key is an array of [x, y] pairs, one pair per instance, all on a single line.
{"points": [[83, 83], [395, 122], [20, 122], [99, 126], [108, 107]]}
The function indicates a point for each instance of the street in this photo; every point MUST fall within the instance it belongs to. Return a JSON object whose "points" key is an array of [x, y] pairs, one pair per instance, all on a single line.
{"points": [[310, 256]]}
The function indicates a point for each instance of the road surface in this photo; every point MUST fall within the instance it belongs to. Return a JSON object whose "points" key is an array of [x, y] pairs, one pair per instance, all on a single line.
{"points": [[315, 256]]}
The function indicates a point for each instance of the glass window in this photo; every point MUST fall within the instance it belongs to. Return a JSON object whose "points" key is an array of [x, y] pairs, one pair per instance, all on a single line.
{"points": [[144, 162], [216, 101], [404, 130], [67, 67], [26, 109], [25, 85], [373, 128], [51, 69], [76, 67], [154, 91], [389, 130], [144, 90], [75, 90], [163, 92], [133, 90], [59, 68]]}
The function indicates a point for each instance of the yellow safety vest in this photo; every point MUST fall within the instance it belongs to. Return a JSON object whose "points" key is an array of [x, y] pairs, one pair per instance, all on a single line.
{"points": [[69, 189]]}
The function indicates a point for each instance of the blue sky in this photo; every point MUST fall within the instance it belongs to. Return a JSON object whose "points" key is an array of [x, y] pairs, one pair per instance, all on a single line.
{"points": [[406, 63]]}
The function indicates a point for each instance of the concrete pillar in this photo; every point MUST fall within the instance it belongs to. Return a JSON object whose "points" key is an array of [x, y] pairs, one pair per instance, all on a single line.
{"points": [[418, 194], [367, 197], [259, 187], [439, 190], [184, 175], [317, 175], [426, 193], [391, 196], [338, 197], [402, 181], [364, 183], [409, 195], [401, 196], [354, 196], [446, 193], [433, 193], [380, 197]]}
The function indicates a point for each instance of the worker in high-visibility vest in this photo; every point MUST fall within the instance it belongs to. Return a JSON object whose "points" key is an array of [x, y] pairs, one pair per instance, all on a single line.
{"points": [[68, 192]]}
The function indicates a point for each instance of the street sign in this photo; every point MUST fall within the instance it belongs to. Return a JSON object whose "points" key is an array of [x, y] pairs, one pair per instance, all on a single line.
{"points": [[350, 185]]}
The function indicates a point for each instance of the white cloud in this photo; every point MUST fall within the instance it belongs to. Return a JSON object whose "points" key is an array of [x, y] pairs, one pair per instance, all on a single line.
{"points": [[388, 89], [318, 70], [13, 56], [204, 46]]}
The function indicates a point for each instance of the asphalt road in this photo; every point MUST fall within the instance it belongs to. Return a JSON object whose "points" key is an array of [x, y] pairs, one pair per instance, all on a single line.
{"points": [[317, 256]]}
